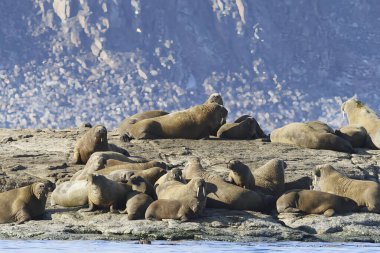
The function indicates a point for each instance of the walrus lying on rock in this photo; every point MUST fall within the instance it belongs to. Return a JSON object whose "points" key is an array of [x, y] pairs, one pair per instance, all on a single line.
{"points": [[197, 122], [105, 193], [173, 174], [364, 193], [361, 115], [125, 126], [314, 135], [240, 175], [244, 128], [99, 160], [259, 133], [225, 195], [151, 175], [92, 141], [195, 188], [24, 204], [133, 166], [70, 194], [314, 202], [183, 210], [357, 136], [268, 179]]}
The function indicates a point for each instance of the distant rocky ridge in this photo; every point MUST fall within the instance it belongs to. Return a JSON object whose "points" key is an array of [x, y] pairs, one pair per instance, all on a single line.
{"points": [[63, 62]]}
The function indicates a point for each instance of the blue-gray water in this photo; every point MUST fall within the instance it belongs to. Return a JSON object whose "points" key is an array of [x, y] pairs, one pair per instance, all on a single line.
{"points": [[181, 246]]}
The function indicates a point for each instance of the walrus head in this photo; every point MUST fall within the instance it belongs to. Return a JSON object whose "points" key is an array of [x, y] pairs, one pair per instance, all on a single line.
{"points": [[215, 98], [175, 174], [40, 190], [200, 186], [237, 166], [100, 134], [126, 177], [320, 172], [217, 118]]}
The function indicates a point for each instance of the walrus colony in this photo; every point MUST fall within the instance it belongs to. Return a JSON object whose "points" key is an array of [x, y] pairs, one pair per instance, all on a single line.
{"points": [[115, 181]]}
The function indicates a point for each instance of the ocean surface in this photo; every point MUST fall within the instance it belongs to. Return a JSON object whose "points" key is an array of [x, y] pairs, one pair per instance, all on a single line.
{"points": [[41, 246]]}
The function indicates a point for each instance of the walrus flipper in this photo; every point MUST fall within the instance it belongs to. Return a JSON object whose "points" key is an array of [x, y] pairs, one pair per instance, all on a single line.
{"points": [[329, 212], [22, 216]]}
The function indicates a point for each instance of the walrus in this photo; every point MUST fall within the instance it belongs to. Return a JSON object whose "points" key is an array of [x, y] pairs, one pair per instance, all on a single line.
{"points": [[314, 202], [151, 175], [194, 123], [313, 136], [225, 195], [360, 114], [214, 98], [70, 194], [243, 130], [259, 133], [270, 178], [98, 161], [105, 193], [137, 204], [173, 174], [92, 141], [300, 183], [183, 210], [357, 136], [195, 188], [125, 126], [240, 175], [365, 193], [133, 166], [139, 184], [23, 204]]}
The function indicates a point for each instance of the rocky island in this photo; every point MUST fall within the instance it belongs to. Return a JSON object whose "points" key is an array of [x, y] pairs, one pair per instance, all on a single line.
{"points": [[27, 155]]}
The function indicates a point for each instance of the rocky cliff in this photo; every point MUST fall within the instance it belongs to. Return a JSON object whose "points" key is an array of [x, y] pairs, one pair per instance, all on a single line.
{"points": [[63, 62], [30, 154]]}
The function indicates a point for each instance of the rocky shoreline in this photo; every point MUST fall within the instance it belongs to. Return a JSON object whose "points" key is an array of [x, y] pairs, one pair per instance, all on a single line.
{"points": [[29, 154]]}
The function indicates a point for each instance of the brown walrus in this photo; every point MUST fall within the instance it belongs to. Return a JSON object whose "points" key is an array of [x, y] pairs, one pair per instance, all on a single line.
{"points": [[240, 175], [70, 194], [151, 175], [95, 139], [195, 188], [137, 204], [314, 202], [270, 178], [364, 193], [225, 195], [133, 166], [124, 127], [300, 183], [259, 133], [183, 210], [23, 204], [356, 135], [194, 123], [360, 114], [99, 160], [173, 174], [243, 130], [105, 193], [314, 135], [139, 184]]}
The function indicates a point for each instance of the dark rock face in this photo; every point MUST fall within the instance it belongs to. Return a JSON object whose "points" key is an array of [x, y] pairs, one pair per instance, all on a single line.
{"points": [[98, 61]]}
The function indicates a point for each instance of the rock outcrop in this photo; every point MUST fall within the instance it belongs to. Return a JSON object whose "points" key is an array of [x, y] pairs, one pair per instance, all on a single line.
{"points": [[29, 154]]}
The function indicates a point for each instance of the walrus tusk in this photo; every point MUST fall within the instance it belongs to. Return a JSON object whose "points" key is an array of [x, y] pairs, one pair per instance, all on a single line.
{"points": [[204, 191], [198, 192]]}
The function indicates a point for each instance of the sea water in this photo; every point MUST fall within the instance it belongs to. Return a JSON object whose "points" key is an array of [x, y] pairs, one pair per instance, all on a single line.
{"points": [[41, 246]]}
